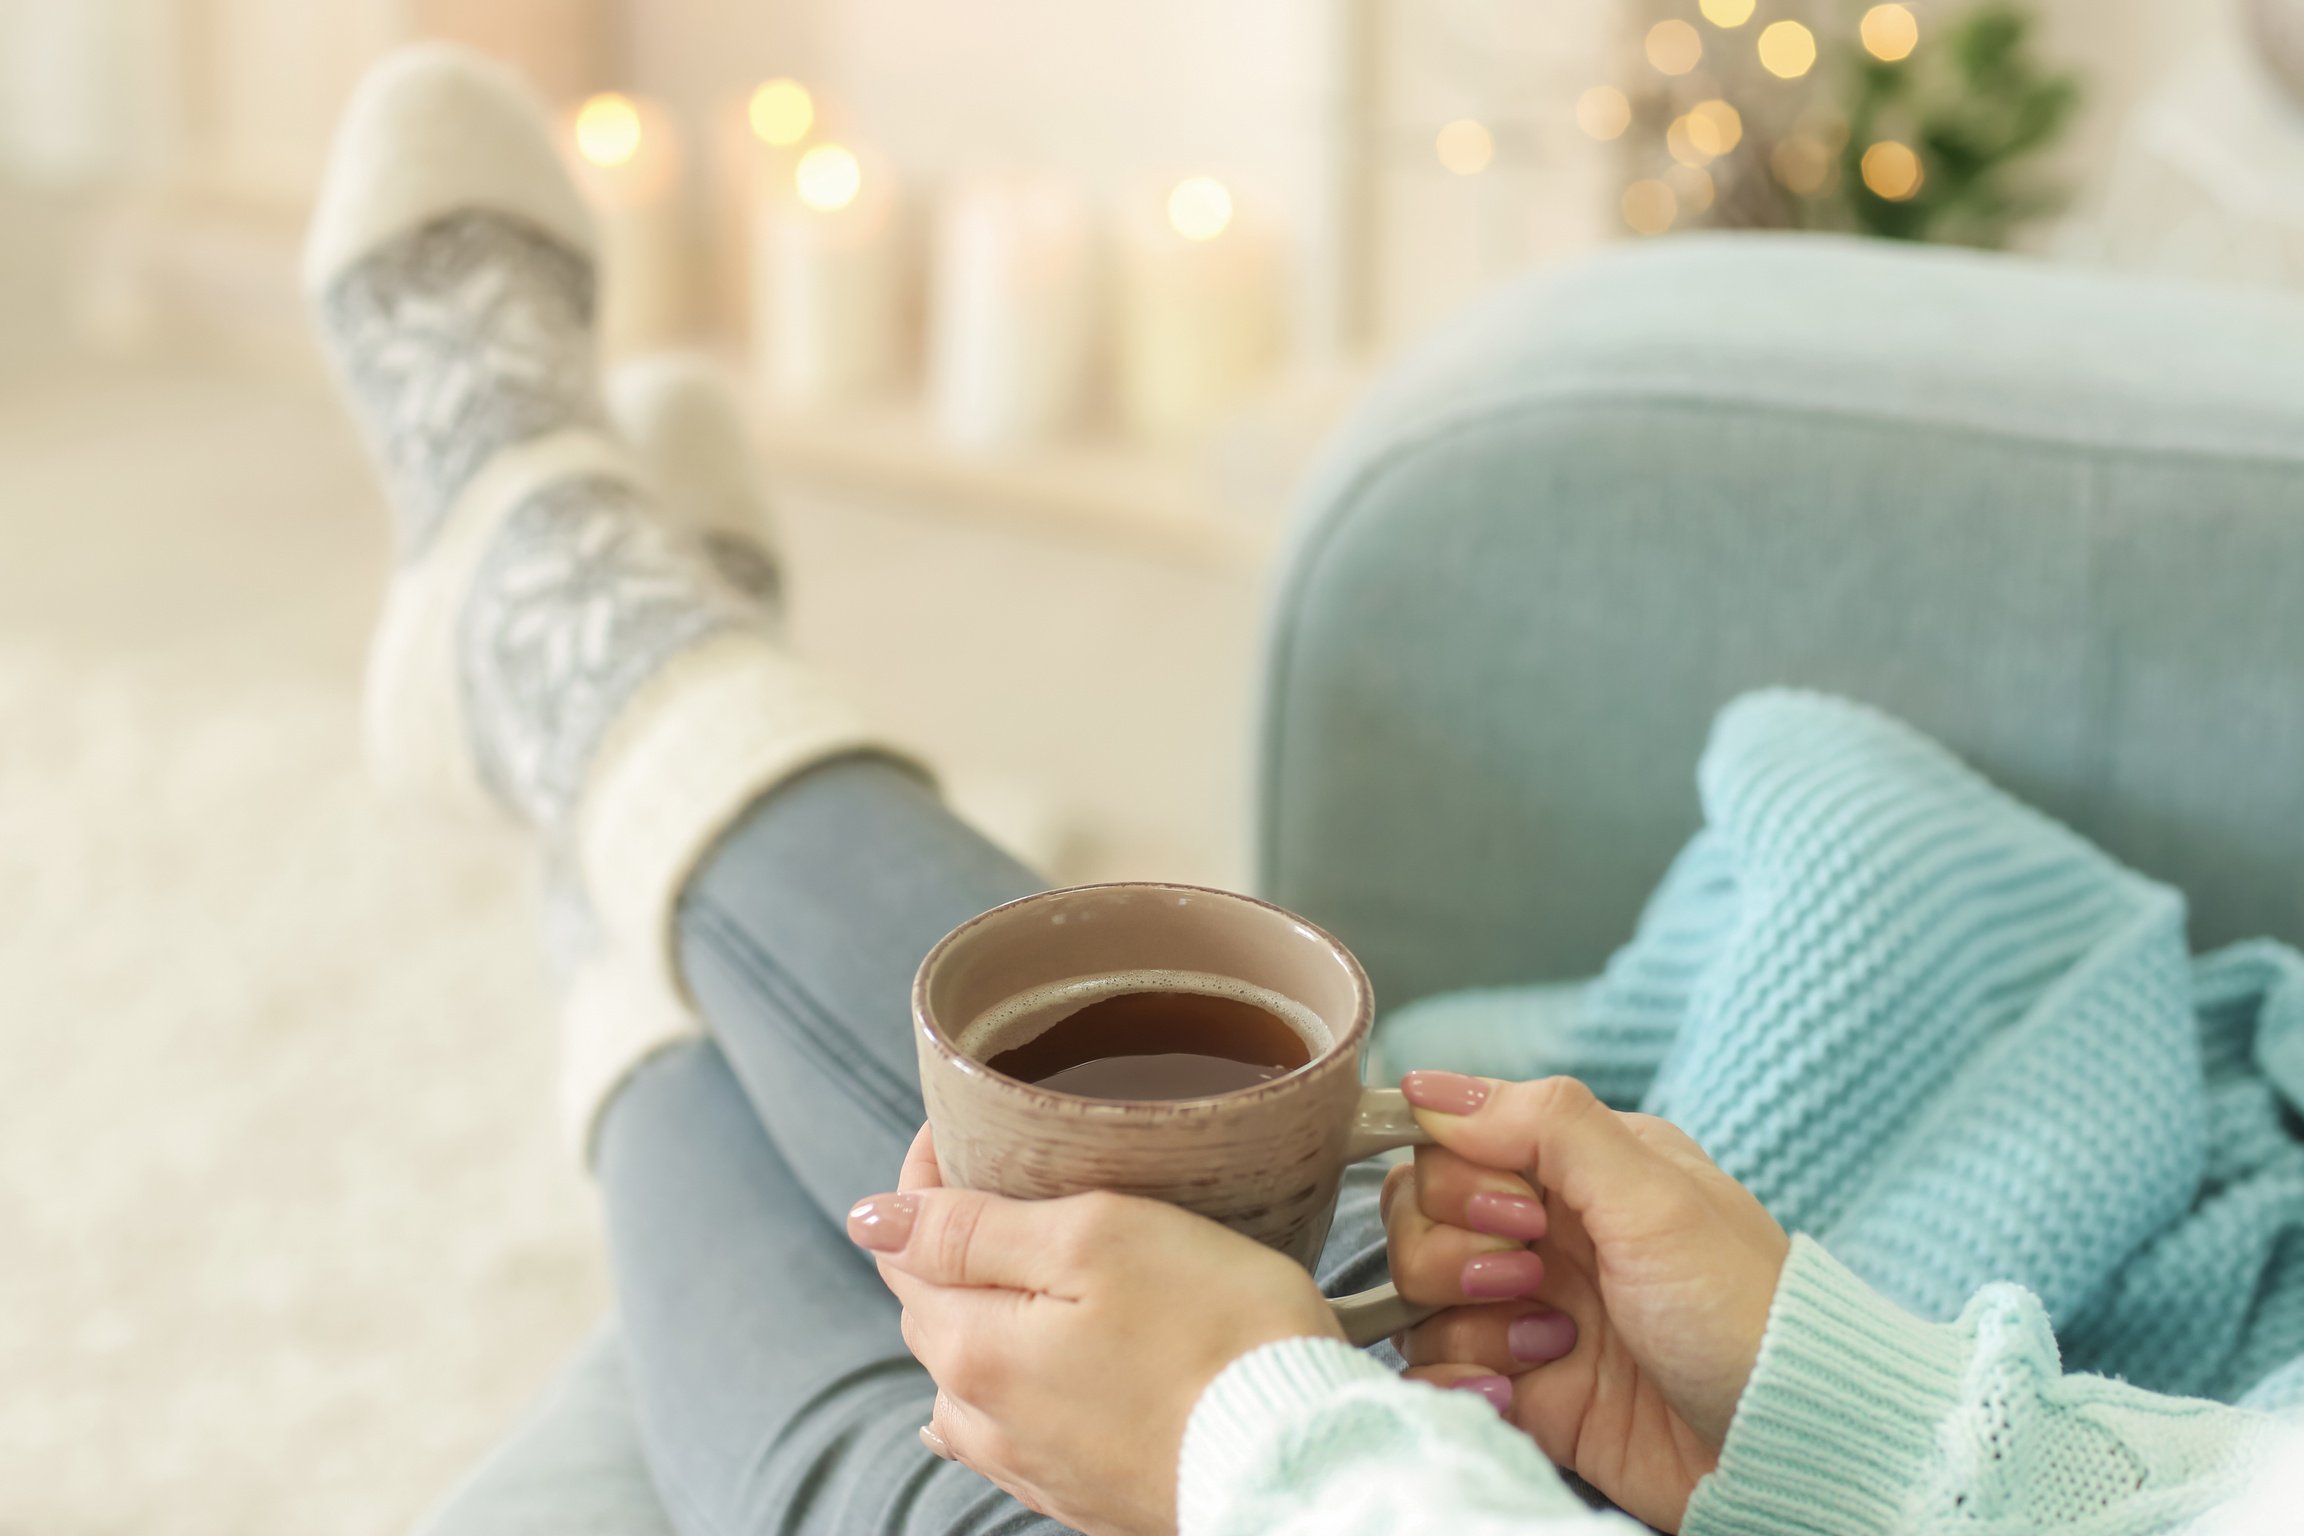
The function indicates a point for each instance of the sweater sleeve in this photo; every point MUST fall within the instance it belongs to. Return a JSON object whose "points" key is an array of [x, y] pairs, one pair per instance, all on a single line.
{"points": [[1310, 1437], [1862, 1420]]}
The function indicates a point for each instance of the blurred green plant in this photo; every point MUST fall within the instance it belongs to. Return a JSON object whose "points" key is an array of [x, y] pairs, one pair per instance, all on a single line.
{"points": [[1979, 108]]}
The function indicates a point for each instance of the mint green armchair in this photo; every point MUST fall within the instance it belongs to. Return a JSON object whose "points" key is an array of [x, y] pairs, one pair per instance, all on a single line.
{"points": [[2054, 519]]}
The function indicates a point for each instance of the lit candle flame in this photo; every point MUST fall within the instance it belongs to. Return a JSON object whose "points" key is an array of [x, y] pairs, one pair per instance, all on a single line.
{"points": [[1199, 208], [828, 178], [608, 129], [781, 112], [1465, 146]]}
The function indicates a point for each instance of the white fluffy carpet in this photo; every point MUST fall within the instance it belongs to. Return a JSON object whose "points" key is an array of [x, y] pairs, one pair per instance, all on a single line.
{"points": [[288, 1263], [286, 1232]]}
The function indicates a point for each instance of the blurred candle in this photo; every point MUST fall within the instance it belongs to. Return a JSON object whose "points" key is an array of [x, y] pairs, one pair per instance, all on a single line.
{"points": [[828, 280], [1200, 310], [1012, 311], [628, 162], [761, 135]]}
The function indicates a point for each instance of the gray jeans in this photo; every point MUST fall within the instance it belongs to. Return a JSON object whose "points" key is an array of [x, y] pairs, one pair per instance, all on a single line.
{"points": [[774, 1392]]}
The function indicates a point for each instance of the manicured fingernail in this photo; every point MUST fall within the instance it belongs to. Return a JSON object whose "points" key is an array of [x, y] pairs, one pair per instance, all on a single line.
{"points": [[935, 1443], [1541, 1337], [1497, 1389], [1450, 1093], [1493, 1276], [1502, 1215], [882, 1223]]}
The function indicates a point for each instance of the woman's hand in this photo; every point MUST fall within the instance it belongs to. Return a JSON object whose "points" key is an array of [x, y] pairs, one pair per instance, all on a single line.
{"points": [[1070, 1338], [1624, 1339]]}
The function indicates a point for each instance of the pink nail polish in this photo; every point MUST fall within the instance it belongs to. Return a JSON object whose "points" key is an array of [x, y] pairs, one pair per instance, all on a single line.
{"points": [[883, 1223], [1497, 1389], [1541, 1337], [1494, 1276], [1502, 1215], [1448, 1093]]}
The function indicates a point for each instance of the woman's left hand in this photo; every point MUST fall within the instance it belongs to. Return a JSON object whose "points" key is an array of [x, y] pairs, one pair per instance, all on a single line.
{"points": [[1070, 1338]]}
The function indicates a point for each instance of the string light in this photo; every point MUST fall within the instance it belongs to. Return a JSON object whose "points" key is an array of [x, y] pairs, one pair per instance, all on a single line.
{"points": [[1787, 49], [1199, 207], [1715, 127], [1650, 207], [781, 112], [1801, 165], [1893, 171], [1681, 142], [1727, 13], [1889, 32], [1695, 189], [828, 178], [608, 129], [1465, 147], [1675, 47], [1604, 112]]}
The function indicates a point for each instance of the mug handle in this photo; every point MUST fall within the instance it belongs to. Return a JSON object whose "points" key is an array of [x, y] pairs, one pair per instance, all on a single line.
{"points": [[1384, 1122]]}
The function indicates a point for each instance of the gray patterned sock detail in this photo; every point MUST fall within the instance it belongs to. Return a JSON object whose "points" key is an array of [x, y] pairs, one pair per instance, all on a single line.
{"points": [[457, 340], [747, 565], [581, 597]]}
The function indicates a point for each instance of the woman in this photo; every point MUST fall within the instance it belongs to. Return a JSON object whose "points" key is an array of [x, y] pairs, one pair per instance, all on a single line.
{"points": [[579, 632]]}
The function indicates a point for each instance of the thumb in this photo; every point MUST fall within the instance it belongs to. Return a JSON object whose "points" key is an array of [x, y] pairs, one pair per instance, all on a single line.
{"points": [[960, 1237], [1558, 1134]]}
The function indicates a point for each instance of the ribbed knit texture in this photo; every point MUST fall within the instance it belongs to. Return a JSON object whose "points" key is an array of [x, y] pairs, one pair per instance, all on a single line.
{"points": [[1968, 1055], [1954, 1042], [1310, 1437], [1965, 1426]]}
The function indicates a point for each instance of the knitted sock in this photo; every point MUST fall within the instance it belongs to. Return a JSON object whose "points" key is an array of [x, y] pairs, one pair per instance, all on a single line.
{"points": [[547, 644], [683, 421]]}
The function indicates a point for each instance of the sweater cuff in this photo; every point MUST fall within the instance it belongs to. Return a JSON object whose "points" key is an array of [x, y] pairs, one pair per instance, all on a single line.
{"points": [[1840, 1420], [1228, 1439]]}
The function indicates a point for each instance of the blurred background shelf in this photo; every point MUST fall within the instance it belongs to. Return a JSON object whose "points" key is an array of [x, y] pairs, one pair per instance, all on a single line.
{"points": [[1134, 499]]}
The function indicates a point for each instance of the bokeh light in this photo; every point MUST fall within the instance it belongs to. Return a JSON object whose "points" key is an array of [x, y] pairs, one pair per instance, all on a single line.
{"points": [[1892, 170], [828, 178], [1650, 207], [1675, 47], [1727, 13], [1465, 147], [1199, 207], [1787, 49], [1889, 32], [1695, 188], [1801, 165], [781, 112], [1604, 112], [1715, 126], [1681, 144], [608, 129]]}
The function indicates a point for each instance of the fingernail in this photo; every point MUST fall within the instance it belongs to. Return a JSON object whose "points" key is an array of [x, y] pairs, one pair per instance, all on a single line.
{"points": [[935, 1443], [1502, 1215], [1492, 1276], [1450, 1093], [882, 1223], [1497, 1389], [1541, 1337]]}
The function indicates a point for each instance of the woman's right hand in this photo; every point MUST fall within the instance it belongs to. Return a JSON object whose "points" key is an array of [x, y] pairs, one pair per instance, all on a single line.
{"points": [[1663, 1266]]}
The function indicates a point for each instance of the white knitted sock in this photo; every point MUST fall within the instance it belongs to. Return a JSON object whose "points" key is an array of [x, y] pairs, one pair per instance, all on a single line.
{"points": [[546, 642], [682, 417]]}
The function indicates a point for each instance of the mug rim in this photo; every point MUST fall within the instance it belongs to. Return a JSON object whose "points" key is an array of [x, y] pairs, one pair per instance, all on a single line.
{"points": [[1344, 1046]]}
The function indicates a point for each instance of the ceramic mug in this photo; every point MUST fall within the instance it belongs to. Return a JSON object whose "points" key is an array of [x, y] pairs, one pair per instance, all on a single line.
{"points": [[1265, 1161]]}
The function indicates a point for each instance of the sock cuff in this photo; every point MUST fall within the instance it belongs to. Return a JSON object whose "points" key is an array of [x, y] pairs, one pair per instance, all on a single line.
{"points": [[614, 1016], [419, 739], [716, 728]]}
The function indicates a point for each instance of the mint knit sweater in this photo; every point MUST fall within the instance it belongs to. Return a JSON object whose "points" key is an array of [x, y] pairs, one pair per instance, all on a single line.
{"points": [[1966, 1057]]}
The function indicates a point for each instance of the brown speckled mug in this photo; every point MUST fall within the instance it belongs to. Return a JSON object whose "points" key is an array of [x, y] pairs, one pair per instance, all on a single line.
{"points": [[1265, 1161]]}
